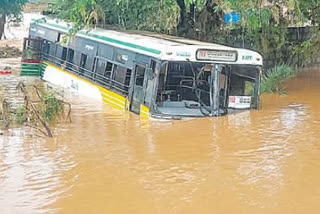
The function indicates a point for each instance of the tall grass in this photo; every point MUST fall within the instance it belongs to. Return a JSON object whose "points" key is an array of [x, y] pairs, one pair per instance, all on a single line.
{"points": [[273, 80]]}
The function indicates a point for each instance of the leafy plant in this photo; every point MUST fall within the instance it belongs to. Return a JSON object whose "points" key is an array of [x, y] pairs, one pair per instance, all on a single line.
{"points": [[9, 7], [52, 107], [21, 115], [39, 109], [272, 81]]}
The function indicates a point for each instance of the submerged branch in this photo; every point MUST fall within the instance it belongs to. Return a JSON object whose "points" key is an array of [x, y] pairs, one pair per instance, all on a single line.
{"points": [[34, 109], [39, 109]]}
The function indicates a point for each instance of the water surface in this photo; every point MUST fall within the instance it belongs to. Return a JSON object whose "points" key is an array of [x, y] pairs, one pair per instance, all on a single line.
{"points": [[108, 161]]}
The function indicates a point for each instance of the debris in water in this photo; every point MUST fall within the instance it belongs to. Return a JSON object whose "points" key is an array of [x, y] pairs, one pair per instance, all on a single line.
{"points": [[31, 106]]}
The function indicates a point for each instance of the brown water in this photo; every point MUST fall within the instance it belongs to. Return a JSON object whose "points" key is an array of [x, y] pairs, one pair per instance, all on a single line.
{"points": [[107, 161]]}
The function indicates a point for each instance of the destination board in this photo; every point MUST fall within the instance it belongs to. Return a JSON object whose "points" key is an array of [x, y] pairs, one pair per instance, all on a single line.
{"points": [[217, 55]]}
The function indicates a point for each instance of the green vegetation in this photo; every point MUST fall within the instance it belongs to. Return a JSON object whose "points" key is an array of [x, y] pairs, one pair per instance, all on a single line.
{"points": [[39, 110], [21, 115], [53, 107], [82, 13], [273, 80], [9, 7]]}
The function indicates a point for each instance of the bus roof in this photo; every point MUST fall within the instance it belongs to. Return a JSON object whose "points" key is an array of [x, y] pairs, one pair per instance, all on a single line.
{"points": [[161, 46]]}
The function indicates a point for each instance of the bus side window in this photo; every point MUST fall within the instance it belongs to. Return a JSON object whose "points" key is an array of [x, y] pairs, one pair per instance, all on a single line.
{"points": [[52, 51], [128, 77], [83, 61], [108, 70], [70, 59], [119, 77], [140, 71], [64, 54], [101, 66], [46, 47], [57, 54]]}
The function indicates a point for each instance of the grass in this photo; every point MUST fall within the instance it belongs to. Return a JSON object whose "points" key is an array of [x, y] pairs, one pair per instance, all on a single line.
{"points": [[273, 80]]}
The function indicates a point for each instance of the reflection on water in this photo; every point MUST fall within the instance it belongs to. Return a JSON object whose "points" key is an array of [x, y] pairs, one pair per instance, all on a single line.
{"points": [[109, 161]]}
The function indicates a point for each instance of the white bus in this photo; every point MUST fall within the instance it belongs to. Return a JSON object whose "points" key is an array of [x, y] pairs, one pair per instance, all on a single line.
{"points": [[152, 75]]}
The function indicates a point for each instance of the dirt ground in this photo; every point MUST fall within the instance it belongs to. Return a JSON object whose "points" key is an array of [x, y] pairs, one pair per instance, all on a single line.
{"points": [[35, 7], [15, 32], [12, 42]]}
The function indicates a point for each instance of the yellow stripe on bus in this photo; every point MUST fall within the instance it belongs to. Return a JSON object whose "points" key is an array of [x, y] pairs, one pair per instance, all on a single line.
{"points": [[144, 111], [108, 96]]}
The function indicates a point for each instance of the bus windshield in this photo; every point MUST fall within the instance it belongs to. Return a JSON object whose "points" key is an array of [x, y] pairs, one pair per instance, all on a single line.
{"points": [[202, 89]]}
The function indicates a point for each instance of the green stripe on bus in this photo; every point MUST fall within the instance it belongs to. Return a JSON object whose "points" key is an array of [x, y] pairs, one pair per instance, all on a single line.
{"points": [[30, 74], [107, 39], [42, 69], [30, 66], [30, 71], [27, 74]]}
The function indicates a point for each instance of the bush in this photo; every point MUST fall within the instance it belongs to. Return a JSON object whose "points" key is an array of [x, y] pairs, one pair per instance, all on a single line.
{"points": [[52, 107], [21, 115], [272, 81]]}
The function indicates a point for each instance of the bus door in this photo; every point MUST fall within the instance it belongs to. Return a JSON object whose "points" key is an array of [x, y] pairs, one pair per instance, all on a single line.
{"points": [[140, 86]]}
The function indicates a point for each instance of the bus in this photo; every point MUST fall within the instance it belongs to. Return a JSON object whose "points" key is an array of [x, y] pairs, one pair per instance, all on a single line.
{"points": [[152, 75]]}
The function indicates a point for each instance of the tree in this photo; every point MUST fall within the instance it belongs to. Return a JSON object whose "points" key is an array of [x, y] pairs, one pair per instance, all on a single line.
{"points": [[158, 16], [263, 24], [9, 7], [82, 13]]}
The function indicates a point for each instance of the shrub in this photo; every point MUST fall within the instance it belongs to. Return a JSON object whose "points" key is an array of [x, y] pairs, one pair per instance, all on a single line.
{"points": [[272, 81], [21, 115], [52, 107]]}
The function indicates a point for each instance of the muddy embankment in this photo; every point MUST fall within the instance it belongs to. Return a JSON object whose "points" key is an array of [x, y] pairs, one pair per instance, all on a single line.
{"points": [[10, 49], [13, 104]]}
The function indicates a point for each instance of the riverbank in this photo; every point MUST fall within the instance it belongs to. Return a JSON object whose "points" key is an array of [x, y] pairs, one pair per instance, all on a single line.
{"points": [[15, 32]]}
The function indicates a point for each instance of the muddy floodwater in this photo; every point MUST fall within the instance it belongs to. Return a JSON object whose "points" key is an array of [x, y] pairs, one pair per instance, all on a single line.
{"points": [[108, 161]]}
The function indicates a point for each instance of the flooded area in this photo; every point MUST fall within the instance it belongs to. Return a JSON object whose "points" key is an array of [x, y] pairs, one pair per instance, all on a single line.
{"points": [[109, 161]]}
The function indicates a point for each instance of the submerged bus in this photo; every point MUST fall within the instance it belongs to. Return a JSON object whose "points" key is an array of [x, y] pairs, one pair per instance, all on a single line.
{"points": [[152, 75]]}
